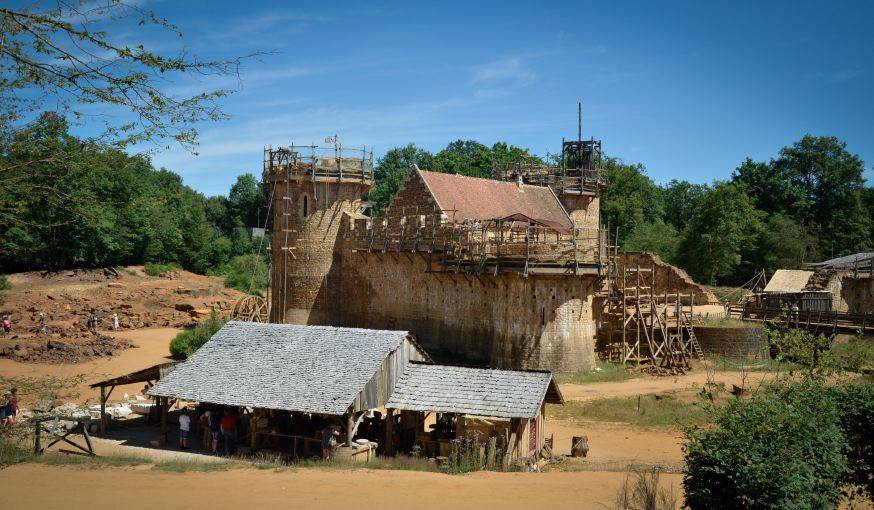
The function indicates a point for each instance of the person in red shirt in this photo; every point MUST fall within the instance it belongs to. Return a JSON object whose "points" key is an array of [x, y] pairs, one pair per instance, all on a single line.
{"points": [[229, 424]]}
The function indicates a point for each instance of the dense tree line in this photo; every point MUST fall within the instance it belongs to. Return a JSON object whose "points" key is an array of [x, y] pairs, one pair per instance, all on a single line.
{"points": [[807, 204], [80, 203]]}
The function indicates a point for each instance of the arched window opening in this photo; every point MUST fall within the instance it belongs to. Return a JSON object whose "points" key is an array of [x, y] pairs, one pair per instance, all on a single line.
{"points": [[306, 206]]}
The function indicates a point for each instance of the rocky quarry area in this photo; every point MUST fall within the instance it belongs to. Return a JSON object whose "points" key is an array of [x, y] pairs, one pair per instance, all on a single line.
{"points": [[175, 299]]}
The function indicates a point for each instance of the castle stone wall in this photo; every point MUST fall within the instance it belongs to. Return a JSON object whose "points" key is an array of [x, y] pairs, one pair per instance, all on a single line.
{"points": [[503, 321]]}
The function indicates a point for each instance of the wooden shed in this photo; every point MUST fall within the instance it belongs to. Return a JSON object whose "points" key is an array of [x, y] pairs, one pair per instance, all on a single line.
{"points": [[304, 370], [507, 403]]}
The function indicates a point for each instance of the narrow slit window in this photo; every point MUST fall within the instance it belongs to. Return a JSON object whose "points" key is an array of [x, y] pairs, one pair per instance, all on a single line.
{"points": [[306, 206]]}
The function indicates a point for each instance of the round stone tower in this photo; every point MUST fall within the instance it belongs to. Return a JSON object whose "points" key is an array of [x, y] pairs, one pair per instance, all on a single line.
{"points": [[312, 187]]}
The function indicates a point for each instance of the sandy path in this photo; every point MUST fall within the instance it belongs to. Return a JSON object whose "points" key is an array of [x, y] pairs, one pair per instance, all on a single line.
{"points": [[152, 348], [34, 486], [649, 384], [615, 447]]}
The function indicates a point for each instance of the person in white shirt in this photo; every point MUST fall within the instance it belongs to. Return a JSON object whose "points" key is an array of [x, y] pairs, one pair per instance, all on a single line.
{"points": [[184, 428]]}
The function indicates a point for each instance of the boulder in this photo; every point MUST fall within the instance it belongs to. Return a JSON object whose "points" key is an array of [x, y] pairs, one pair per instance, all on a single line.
{"points": [[54, 344]]}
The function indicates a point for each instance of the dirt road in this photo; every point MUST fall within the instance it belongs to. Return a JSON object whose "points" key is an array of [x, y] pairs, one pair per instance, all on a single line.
{"points": [[35, 486], [649, 384]]}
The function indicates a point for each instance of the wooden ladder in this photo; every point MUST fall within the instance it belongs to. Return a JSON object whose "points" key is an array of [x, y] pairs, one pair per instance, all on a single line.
{"points": [[693, 340]]}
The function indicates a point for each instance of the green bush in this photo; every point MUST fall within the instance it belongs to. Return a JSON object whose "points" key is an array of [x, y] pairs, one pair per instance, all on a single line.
{"points": [[4, 282], [790, 446], [188, 341], [246, 273], [154, 269], [856, 415], [854, 355]]}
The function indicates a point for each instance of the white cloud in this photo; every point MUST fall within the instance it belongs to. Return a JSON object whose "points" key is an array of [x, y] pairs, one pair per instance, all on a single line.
{"points": [[839, 76], [506, 69]]}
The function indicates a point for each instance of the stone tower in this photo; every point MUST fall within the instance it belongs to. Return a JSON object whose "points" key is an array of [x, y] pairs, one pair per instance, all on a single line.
{"points": [[313, 188]]}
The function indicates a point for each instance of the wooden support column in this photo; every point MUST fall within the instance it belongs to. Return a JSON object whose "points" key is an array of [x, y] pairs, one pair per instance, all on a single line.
{"points": [[389, 431], [350, 425], [103, 397], [163, 404]]}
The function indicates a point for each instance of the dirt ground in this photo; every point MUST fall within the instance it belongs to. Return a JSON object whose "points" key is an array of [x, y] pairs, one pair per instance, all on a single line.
{"points": [[175, 299], [151, 348], [34, 486]]}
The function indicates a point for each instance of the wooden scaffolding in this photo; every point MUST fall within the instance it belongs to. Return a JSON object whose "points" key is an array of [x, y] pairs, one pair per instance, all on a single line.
{"points": [[646, 327]]}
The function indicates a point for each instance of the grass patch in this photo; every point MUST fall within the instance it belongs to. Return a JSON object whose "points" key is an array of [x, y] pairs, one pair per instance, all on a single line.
{"points": [[725, 322], [4, 282], [246, 273], [153, 269], [64, 459], [401, 462], [186, 466], [604, 372], [666, 411]]}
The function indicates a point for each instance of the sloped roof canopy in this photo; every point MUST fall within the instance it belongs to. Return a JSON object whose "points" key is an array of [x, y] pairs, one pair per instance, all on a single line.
{"points": [[788, 280], [474, 391], [312, 369], [848, 262], [487, 199]]}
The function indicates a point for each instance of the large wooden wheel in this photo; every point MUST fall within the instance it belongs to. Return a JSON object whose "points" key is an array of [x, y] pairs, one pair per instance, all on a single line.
{"points": [[251, 309]]}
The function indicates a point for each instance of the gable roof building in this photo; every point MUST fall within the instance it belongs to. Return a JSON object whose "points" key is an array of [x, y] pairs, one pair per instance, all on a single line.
{"points": [[473, 198], [310, 369], [474, 391]]}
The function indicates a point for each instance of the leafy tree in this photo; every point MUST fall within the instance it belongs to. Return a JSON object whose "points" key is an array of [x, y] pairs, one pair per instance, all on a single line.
{"points": [[465, 157], [631, 199], [681, 199], [654, 237], [723, 225], [247, 203], [783, 243], [392, 168]]}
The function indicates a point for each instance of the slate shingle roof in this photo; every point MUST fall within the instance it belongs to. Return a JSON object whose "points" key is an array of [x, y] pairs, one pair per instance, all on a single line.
{"points": [[314, 369], [474, 391]]}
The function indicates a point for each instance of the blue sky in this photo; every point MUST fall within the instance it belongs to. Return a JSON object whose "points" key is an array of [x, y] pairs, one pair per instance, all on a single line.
{"points": [[689, 89]]}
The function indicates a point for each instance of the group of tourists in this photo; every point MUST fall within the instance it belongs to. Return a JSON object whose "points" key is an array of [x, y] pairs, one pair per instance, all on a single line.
{"points": [[9, 408], [220, 428]]}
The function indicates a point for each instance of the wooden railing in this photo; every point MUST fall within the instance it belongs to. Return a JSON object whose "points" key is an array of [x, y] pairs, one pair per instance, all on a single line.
{"points": [[485, 247]]}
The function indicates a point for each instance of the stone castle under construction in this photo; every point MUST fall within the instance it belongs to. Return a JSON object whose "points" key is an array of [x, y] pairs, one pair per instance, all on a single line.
{"points": [[512, 271]]}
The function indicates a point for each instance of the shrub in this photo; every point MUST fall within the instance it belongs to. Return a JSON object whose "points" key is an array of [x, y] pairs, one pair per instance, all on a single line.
{"points": [[4, 282], [782, 448], [154, 269], [801, 347], [246, 273], [855, 415], [188, 341], [855, 354], [642, 491]]}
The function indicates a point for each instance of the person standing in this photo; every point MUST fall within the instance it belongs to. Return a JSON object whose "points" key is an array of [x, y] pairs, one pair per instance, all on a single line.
{"points": [[42, 323], [92, 322], [329, 441], [115, 321], [10, 409], [229, 431], [7, 325], [215, 420], [184, 429]]}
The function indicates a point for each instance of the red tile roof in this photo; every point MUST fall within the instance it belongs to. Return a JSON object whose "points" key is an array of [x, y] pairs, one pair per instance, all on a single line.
{"points": [[486, 199]]}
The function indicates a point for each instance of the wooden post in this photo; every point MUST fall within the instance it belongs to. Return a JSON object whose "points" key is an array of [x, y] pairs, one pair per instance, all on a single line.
{"points": [[389, 425], [103, 398], [36, 437], [253, 436], [163, 405], [350, 424]]}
